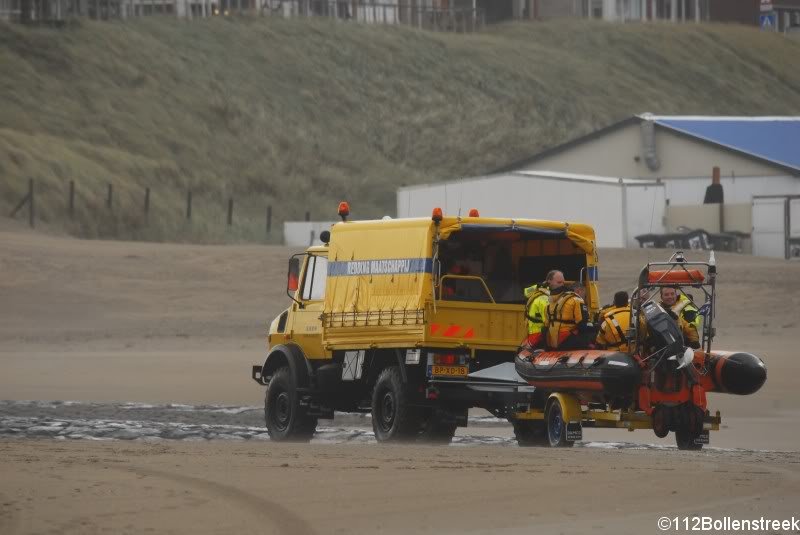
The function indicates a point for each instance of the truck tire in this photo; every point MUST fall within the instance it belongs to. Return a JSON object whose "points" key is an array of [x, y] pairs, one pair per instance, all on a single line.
{"points": [[393, 420], [530, 432], [436, 431], [556, 426], [286, 420]]}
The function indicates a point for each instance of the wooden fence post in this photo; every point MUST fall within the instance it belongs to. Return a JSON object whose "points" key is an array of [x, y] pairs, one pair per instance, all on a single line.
{"points": [[189, 205], [146, 203], [269, 219], [31, 205], [230, 211], [110, 198], [308, 216], [71, 203]]}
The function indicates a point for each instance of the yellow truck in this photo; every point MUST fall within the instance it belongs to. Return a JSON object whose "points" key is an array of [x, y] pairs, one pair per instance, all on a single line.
{"points": [[391, 316]]}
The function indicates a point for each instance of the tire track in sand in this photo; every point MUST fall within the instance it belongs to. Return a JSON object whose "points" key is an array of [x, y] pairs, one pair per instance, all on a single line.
{"points": [[282, 518]]}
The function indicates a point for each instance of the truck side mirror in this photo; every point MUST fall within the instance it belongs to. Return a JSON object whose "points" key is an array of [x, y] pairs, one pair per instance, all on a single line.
{"points": [[294, 274]]}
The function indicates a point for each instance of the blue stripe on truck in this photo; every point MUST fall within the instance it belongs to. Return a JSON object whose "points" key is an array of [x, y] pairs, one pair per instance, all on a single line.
{"points": [[392, 266]]}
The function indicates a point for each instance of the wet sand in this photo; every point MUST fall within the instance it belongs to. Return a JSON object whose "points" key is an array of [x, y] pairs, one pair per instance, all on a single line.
{"points": [[218, 487]]}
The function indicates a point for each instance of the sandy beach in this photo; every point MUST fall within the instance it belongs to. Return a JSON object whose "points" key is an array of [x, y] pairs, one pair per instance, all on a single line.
{"points": [[114, 322]]}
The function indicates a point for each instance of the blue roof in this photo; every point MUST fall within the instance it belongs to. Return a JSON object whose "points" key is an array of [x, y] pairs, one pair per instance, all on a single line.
{"points": [[774, 139]]}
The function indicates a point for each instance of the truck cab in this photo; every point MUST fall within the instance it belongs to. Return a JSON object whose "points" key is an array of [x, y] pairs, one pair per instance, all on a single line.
{"points": [[386, 310]]}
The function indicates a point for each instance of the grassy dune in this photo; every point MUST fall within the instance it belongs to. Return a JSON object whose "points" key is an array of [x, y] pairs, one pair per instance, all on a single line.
{"points": [[302, 113]]}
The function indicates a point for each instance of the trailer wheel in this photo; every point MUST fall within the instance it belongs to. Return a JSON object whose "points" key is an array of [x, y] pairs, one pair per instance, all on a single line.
{"points": [[286, 420], [556, 426], [393, 420], [685, 440], [530, 432], [690, 427]]}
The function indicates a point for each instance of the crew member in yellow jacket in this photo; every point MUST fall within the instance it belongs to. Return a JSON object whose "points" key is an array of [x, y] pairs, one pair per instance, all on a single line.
{"points": [[567, 319], [538, 296], [685, 312], [614, 324]]}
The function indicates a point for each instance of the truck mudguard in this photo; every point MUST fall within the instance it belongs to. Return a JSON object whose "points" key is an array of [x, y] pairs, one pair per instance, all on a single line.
{"points": [[292, 356]]}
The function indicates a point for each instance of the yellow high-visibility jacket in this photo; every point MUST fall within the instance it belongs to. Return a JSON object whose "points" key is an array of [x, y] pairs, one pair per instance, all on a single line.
{"points": [[688, 320], [536, 307]]}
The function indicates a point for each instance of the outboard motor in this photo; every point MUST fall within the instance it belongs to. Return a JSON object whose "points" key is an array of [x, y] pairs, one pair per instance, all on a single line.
{"points": [[664, 334], [666, 341]]}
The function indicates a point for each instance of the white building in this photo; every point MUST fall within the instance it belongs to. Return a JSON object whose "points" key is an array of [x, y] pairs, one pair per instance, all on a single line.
{"points": [[304, 233], [643, 10], [617, 208], [755, 156]]}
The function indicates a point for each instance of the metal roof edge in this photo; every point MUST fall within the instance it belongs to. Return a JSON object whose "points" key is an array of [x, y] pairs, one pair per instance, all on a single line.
{"points": [[761, 118], [789, 167], [534, 173]]}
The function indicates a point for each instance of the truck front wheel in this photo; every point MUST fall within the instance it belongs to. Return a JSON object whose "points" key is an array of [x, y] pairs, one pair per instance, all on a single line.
{"points": [[286, 420], [393, 420]]}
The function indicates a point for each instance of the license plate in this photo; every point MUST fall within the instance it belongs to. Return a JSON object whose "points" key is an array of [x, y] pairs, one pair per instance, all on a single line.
{"points": [[574, 431], [449, 371]]}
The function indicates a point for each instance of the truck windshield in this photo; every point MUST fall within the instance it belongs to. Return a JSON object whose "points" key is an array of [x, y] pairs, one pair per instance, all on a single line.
{"points": [[314, 281]]}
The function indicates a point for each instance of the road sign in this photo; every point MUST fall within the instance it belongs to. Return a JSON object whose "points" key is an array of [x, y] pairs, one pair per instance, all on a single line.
{"points": [[768, 22]]}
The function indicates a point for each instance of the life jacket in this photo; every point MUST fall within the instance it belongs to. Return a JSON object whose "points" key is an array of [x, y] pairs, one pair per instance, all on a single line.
{"points": [[688, 320], [536, 307], [684, 308], [566, 314], [614, 327]]}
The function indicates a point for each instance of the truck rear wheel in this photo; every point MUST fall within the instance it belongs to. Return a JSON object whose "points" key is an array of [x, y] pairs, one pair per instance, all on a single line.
{"points": [[393, 420], [286, 420], [437, 430]]}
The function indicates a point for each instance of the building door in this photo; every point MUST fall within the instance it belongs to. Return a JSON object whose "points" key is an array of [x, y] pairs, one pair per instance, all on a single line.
{"points": [[794, 228], [770, 226]]}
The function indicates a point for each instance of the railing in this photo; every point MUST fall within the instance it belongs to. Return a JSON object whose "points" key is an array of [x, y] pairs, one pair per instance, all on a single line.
{"points": [[10, 9], [452, 19], [140, 212], [461, 288], [374, 318]]}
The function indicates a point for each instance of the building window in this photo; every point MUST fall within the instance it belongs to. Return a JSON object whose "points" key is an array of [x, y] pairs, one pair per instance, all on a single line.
{"points": [[597, 9]]}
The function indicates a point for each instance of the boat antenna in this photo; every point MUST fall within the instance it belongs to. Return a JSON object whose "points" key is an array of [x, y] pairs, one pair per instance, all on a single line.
{"points": [[460, 194]]}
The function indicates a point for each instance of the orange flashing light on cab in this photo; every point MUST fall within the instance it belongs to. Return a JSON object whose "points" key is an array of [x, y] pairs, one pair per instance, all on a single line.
{"points": [[344, 210]]}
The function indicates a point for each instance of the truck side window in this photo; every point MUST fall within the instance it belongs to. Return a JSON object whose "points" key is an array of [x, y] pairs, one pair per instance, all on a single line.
{"points": [[316, 275]]}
